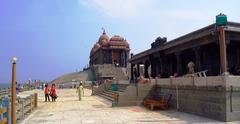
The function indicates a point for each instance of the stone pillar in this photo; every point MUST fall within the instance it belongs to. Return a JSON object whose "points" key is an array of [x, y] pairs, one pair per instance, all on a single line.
{"points": [[197, 59], [111, 57], [146, 66], [138, 69], [237, 57], [132, 75], [121, 58], [179, 63], [223, 55], [160, 63], [126, 58], [101, 58], [153, 68]]}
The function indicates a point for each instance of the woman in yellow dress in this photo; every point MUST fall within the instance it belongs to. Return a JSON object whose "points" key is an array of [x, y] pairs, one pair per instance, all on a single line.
{"points": [[80, 91]]}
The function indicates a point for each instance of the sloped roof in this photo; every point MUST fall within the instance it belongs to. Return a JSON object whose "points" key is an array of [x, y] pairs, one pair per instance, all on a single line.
{"points": [[208, 30]]}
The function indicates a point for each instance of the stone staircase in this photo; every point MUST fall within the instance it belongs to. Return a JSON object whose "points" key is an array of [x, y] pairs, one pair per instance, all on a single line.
{"points": [[108, 93]]}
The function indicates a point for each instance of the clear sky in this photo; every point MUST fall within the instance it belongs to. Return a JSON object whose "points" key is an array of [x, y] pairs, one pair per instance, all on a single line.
{"points": [[54, 37]]}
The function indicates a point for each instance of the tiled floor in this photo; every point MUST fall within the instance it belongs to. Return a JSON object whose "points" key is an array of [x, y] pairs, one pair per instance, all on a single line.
{"points": [[95, 110]]}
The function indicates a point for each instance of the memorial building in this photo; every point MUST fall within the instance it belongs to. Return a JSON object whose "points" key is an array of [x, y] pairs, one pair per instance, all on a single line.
{"points": [[114, 50]]}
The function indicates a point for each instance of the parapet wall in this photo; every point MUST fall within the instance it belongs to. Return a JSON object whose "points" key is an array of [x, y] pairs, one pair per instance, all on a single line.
{"points": [[134, 94], [216, 97]]}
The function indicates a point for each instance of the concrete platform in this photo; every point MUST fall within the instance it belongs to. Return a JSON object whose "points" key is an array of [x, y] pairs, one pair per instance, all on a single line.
{"points": [[95, 110]]}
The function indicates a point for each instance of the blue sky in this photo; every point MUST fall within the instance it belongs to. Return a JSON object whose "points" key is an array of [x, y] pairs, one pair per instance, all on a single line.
{"points": [[54, 37]]}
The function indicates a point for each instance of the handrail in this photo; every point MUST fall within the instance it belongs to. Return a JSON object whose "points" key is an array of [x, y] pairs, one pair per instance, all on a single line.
{"points": [[3, 119], [7, 91], [24, 107]]}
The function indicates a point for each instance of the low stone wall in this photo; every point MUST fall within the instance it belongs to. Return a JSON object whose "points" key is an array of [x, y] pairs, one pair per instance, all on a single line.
{"points": [[208, 102], [216, 97], [134, 94], [196, 81], [213, 97], [24, 106]]}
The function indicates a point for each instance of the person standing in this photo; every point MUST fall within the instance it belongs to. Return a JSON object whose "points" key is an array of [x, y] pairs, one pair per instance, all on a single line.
{"points": [[53, 93], [80, 91], [17, 88], [46, 92]]}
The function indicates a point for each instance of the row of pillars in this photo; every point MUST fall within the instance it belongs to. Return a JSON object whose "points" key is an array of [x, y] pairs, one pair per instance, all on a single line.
{"points": [[223, 58]]}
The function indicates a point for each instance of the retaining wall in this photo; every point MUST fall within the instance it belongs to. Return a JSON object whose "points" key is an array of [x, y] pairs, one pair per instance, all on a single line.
{"points": [[213, 97]]}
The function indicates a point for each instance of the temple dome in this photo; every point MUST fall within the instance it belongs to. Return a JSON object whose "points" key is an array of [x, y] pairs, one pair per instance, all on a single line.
{"points": [[103, 39], [97, 45], [104, 43], [95, 48], [117, 40]]}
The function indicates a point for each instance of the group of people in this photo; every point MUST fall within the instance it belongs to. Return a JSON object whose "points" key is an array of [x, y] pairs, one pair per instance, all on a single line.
{"points": [[50, 92]]}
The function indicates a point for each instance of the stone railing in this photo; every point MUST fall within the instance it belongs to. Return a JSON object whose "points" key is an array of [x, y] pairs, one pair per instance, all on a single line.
{"points": [[5, 92], [224, 81], [24, 106], [3, 112]]}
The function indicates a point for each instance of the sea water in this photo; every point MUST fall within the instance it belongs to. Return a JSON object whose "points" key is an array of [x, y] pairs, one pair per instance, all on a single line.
{"points": [[5, 85]]}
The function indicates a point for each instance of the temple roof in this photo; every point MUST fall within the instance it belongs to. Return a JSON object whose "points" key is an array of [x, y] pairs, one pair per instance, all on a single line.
{"points": [[191, 37], [103, 39], [115, 42]]}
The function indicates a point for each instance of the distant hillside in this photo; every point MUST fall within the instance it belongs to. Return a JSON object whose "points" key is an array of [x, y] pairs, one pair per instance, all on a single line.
{"points": [[87, 75]]}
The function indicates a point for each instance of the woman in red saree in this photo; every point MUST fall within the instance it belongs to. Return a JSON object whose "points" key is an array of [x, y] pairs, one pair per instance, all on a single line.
{"points": [[53, 93]]}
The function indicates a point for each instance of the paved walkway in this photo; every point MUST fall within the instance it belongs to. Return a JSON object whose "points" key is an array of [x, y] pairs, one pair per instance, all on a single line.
{"points": [[95, 110]]}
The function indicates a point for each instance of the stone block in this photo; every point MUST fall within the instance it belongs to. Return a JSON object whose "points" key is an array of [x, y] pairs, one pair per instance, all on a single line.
{"points": [[200, 81], [202, 101], [233, 81], [232, 116], [215, 81], [182, 81], [163, 81]]}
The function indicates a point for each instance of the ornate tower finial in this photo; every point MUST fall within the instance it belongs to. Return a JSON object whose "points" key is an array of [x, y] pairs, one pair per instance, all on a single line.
{"points": [[103, 30]]}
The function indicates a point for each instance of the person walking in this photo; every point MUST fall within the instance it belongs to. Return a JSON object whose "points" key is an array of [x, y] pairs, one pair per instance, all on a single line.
{"points": [[53, 93], [46, 92], [80, 91], [17, 88]]}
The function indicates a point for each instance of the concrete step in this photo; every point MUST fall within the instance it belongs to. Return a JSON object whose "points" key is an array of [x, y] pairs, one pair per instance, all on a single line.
{"points": [[106, 97], [107, 94], [110, 94], [119, 90]]}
